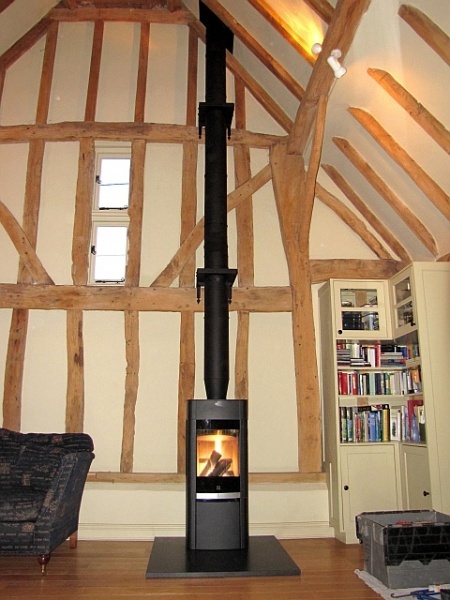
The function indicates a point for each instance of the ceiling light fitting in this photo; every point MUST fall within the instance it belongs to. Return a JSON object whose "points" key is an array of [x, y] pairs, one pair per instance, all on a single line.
{"points": [[332, 60]]}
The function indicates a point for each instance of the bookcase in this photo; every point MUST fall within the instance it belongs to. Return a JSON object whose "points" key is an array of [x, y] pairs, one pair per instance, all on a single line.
{"points": [[384, 394]]}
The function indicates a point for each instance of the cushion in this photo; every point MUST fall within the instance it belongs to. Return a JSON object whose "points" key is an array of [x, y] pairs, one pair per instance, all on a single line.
{"points": [[19, 506], [36, 467]]}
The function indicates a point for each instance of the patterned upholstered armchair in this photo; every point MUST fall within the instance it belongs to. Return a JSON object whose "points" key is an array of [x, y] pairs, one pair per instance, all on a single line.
{"points": [[42, 478]]}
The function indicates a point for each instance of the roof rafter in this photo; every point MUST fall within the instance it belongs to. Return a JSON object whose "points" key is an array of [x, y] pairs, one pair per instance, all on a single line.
{"points": [[342, 28]]}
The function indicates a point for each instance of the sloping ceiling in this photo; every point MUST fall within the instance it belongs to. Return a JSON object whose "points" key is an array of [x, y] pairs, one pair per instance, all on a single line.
{"points": [[386, 142]]}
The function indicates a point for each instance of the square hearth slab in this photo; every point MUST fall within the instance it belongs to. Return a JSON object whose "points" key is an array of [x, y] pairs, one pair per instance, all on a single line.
{"points": [[265, 557]]}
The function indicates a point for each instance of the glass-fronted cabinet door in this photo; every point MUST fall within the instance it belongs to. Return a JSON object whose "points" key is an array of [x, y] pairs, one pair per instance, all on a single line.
{"points": [[361, 310], [403, 304]]}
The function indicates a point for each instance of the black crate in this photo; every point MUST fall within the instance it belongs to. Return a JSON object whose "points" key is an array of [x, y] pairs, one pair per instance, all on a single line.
{"points": [[406, 548]]}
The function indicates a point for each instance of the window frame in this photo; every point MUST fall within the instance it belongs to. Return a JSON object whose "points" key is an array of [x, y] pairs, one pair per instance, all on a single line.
{"points": [[107, 217]]}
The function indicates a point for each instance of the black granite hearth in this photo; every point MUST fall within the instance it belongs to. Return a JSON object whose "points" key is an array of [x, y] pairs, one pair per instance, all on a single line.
{"points": [[265, 557]]}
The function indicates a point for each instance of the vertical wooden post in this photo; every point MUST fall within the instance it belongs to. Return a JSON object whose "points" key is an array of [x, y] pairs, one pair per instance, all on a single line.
{"points": [[186, 376], [289, 185], [245, 244], [12, 399], [80, 246], [135, 213]]}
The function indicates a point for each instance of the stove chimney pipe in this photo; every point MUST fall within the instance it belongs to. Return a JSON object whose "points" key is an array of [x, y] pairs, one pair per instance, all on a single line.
{"points": [[215, 115]]}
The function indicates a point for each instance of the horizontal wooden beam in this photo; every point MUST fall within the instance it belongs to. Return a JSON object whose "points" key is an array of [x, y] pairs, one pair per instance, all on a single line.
{"points": [[340, 268], [134, 15], [167, 299], [160, 299], [73, 131]]}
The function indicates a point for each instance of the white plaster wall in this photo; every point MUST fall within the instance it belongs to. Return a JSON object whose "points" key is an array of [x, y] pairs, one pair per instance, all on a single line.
{"points": [[142, 512]]}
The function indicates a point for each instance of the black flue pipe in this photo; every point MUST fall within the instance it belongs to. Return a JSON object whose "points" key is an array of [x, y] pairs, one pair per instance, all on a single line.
{"points": [[215, 116]]}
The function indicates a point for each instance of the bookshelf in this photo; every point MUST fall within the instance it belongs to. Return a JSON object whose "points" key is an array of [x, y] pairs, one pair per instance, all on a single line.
{"points": [[383, 450]]}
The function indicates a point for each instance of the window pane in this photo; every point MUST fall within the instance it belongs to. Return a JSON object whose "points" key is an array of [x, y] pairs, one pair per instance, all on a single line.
{"points": [[110, 253], [114, 180]]}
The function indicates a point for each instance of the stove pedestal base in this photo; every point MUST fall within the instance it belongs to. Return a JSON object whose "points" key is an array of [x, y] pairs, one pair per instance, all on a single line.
{"points": [[265, 557]]}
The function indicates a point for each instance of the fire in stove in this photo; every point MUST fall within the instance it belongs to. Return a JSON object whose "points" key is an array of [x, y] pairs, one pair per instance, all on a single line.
{"points": [[217, 453]]}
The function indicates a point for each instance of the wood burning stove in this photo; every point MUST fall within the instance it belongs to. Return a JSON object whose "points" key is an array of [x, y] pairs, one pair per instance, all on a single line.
{"points": [[216, 475], [217, 542], [216, 449]]}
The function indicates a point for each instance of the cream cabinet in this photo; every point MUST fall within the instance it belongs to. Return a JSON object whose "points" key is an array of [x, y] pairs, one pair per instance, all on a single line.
{"points": [[369, 481], [415, 477], [360, 309], [431, 294], [394, 473]]}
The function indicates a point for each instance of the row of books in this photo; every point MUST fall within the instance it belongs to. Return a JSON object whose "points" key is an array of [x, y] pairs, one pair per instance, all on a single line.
{"points": [[383, 423], [383, 383], [356, 354]]}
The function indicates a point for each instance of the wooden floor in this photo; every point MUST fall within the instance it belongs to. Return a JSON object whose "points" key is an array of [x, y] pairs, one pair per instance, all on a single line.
{"points": [[116, 570]]}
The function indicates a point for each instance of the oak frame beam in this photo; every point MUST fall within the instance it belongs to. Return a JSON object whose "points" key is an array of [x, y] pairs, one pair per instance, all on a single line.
{"points": [[255, 47], [284, 29], [74, 131], [424, 182], [341, 30], [377, 182], [365, 211], [437, 39], [417, 111], [132, 15]]}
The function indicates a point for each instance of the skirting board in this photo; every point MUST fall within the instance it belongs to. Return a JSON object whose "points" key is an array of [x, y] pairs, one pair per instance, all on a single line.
{"points": [[146, 532]]}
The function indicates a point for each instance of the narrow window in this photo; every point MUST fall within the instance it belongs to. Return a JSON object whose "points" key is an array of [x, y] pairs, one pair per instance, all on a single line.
{"points": [[109, 243]]}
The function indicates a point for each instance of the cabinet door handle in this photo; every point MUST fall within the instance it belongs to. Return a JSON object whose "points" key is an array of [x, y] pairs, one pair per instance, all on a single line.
{"points": [[340, 331], [425, 493], [346, 488]]}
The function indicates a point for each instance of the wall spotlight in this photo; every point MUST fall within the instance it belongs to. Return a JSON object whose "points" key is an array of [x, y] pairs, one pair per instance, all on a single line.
{"points": [[334, 63], [332, 60]]}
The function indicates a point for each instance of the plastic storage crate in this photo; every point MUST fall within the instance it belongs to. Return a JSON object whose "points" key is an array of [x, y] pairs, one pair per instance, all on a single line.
{"points": [[405, 549]]}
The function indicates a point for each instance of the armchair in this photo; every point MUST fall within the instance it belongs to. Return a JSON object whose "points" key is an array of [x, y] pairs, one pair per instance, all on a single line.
{"points": [[42, 477]]}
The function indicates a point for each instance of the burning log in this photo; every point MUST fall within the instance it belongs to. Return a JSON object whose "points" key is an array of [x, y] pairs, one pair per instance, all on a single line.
{"points": [[216, 466]]}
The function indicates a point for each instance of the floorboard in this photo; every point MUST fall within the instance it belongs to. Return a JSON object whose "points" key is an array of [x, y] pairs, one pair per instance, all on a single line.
{"points": [[117, 570]]}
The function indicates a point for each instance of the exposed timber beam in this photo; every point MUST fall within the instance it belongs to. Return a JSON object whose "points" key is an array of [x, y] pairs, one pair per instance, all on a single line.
{"points": [[135, 15], [24, 44], [257, 91], [352, 221], [417, 111], [341, 30], [255, 47], [195, 237], [368, 215], [427, 30], [322, 7], [429, 187], [378, 183], [152, 132], [26, 251], [4, 4], [273, 17]]}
